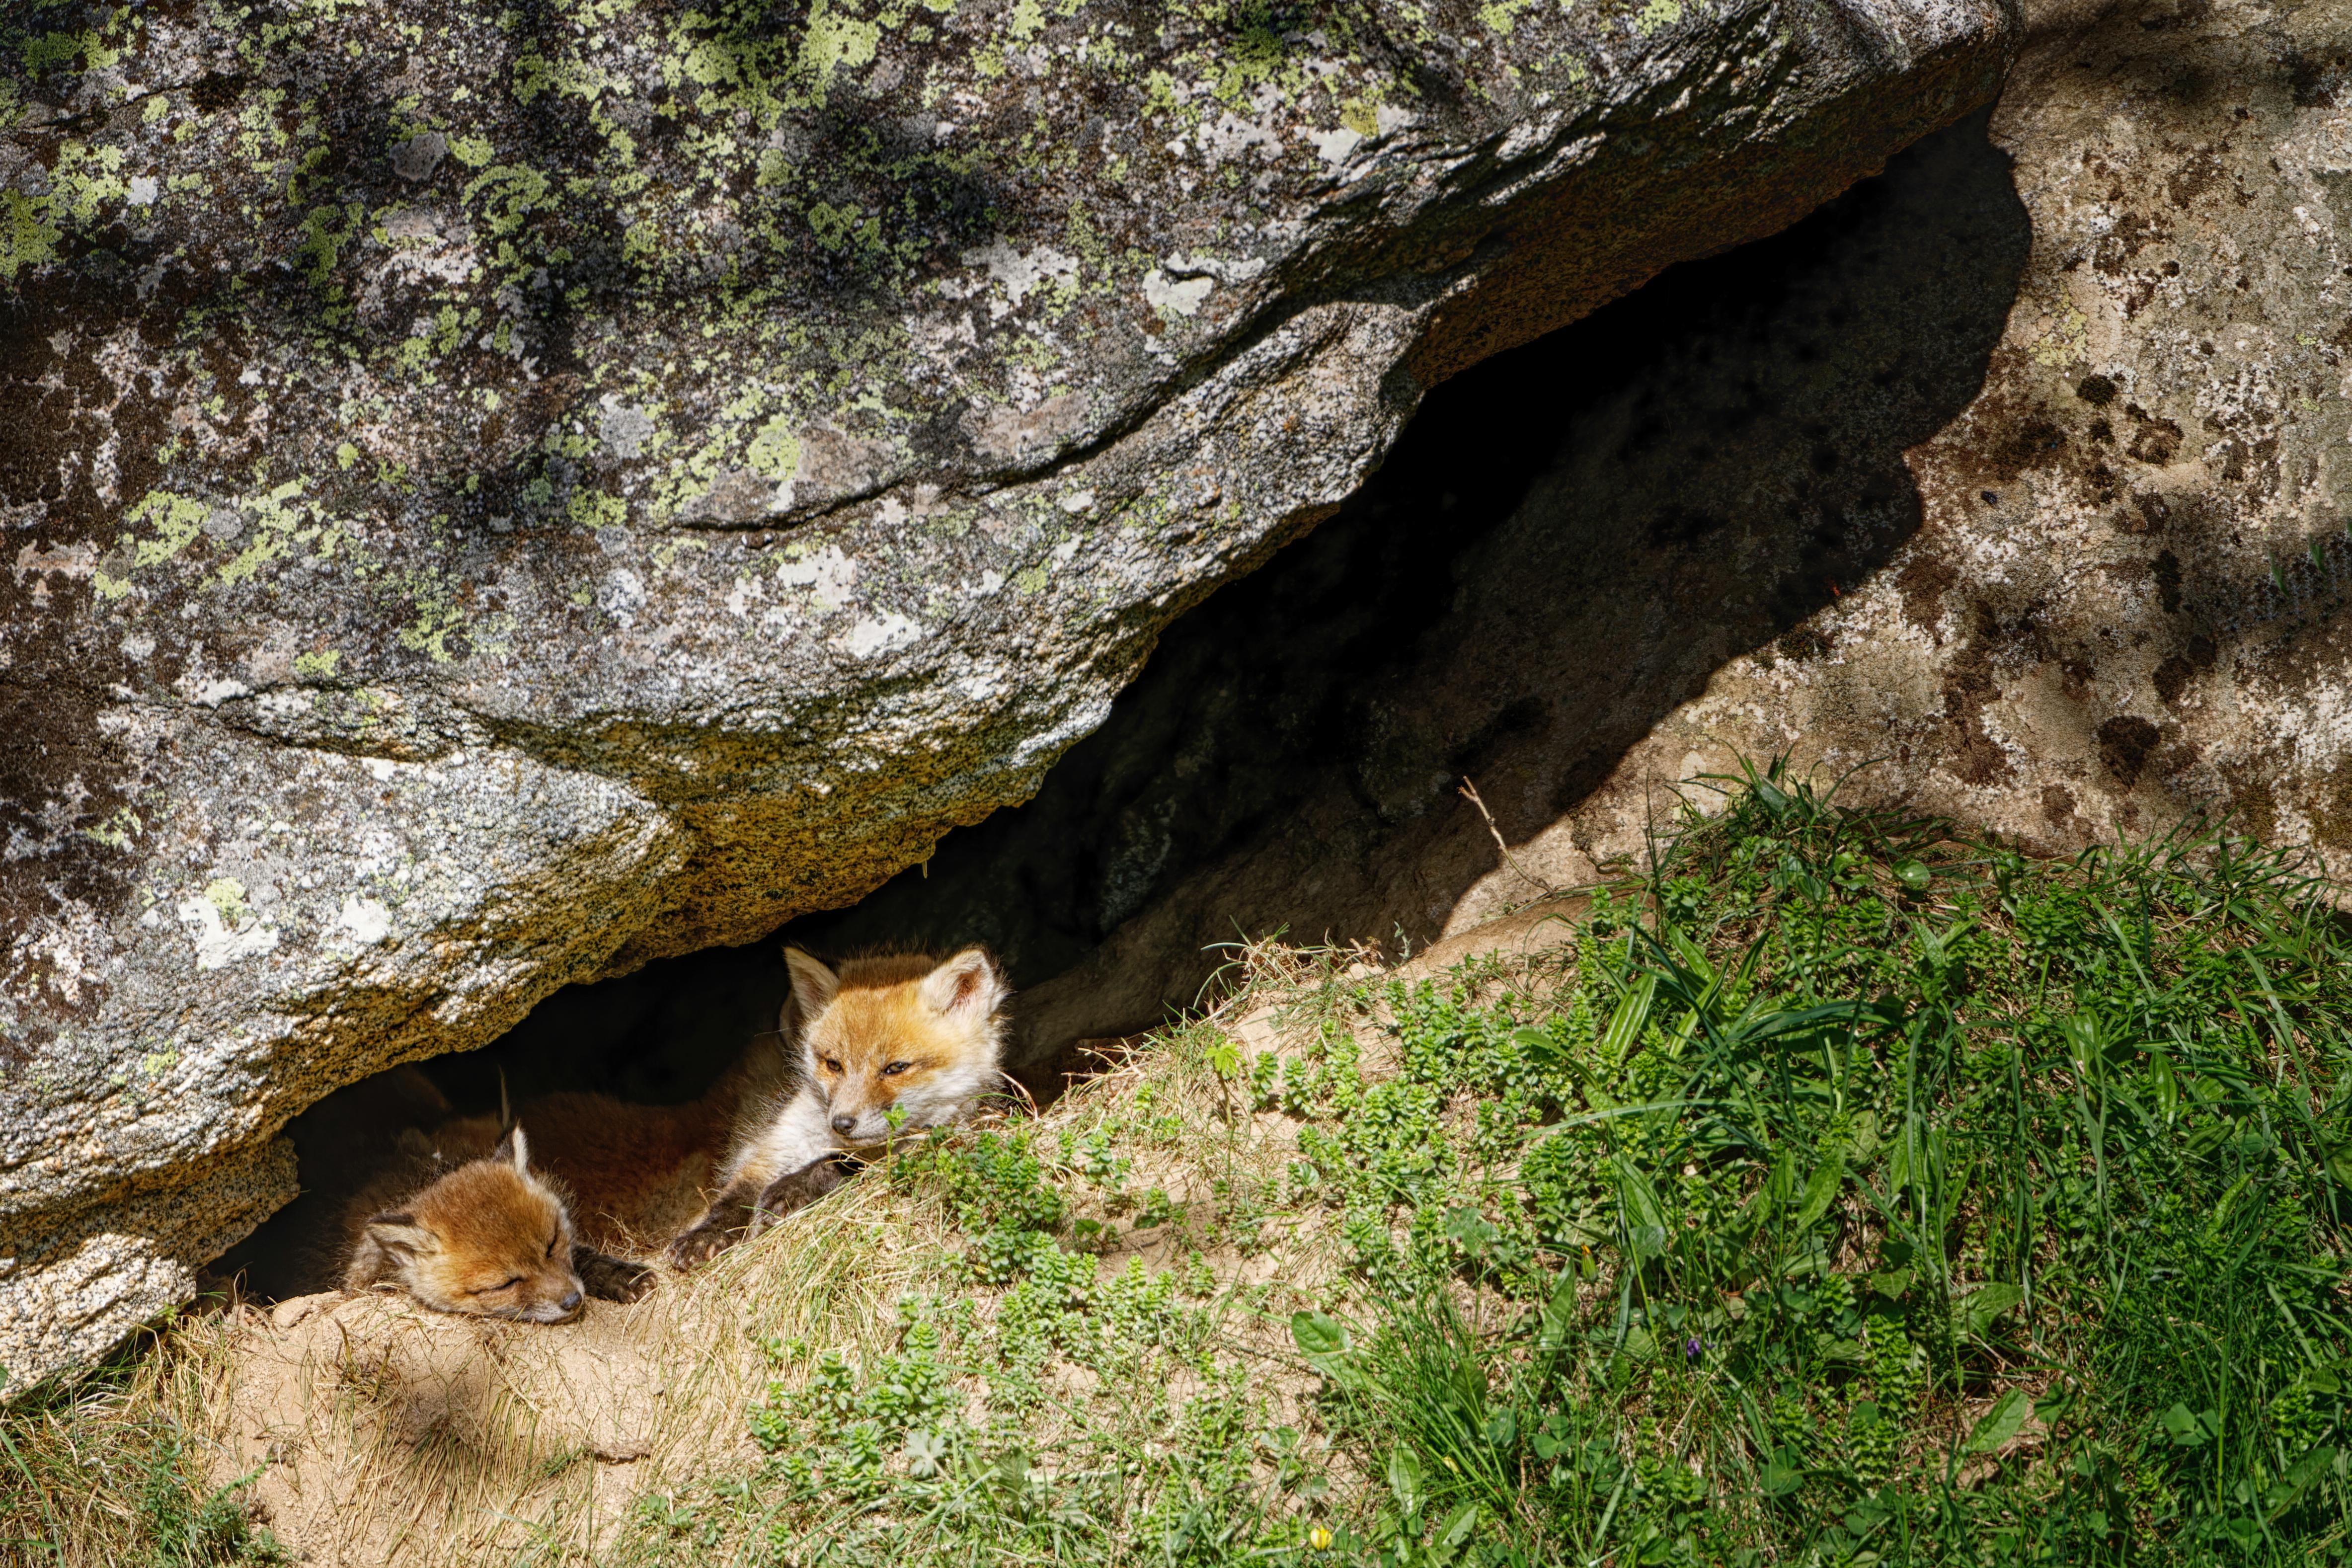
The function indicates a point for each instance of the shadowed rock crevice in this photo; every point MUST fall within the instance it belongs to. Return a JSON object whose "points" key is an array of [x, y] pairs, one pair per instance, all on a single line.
{"points": [[517, 495], [1566, 543], [1568, 540]]}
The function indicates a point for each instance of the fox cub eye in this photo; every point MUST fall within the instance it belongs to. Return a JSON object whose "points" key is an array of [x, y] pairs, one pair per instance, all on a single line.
{"points": [[828, 1064], [895, 1068], [502, 1285]]}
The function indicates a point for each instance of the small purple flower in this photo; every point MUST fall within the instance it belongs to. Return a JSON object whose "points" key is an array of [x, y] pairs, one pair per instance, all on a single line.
{"points": [[1692, 1346]]}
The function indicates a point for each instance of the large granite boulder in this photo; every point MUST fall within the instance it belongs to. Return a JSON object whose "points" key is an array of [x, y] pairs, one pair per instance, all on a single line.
{"points": [[493, 494], [2018, 489], [2123, 607], [2014, 485]]}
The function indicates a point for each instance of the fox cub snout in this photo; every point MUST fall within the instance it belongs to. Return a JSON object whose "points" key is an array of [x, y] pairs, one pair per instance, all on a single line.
{"points": [[885, 1045], [899, 1034], [489, 1239]]}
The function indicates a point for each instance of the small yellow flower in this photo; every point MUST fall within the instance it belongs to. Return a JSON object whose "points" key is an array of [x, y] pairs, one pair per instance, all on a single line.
{"points": [[1319, 1538]]}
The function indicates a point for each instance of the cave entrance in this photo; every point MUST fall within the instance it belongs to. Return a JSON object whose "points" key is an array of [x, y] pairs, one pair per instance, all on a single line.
{"points": [[1565, 544]]}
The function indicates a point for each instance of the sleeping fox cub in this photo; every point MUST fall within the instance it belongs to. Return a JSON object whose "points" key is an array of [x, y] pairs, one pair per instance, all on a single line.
{"points": [[904, 1038], [884, 1044], [488, 1238]]}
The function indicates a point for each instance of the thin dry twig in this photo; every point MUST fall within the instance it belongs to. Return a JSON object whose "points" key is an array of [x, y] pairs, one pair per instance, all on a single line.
{"points": [[1470, 794]]}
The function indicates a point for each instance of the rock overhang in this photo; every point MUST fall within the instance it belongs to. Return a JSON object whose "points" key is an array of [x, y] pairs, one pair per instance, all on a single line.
{"points": [[502, 496]]}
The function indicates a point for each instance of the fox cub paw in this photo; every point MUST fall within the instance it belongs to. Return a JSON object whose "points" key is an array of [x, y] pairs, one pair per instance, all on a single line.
{"points": [[731, 1219], [798, 1189], [610, 1279], [704, 1241]]}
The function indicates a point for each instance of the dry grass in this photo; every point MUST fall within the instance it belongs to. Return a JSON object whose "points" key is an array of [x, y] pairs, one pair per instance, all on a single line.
{"points": [[82, 1468], [386, 1434], [365, 1430]]}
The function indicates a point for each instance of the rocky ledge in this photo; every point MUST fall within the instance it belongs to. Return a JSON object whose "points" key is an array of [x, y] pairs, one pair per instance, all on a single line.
{"points": [[496, 494]]}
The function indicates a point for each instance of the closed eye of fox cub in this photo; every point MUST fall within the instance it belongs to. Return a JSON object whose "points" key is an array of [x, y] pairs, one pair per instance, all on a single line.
{"points": [[886, 1045], [489, 1239]]}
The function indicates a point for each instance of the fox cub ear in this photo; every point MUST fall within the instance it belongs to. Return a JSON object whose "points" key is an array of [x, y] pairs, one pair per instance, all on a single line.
{"points": [[401, 1234], [966, 986], [813, 985], [514, 1149]]}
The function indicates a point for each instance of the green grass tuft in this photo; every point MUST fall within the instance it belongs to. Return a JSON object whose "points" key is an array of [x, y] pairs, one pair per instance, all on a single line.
{"points": [[1846, 1192]]}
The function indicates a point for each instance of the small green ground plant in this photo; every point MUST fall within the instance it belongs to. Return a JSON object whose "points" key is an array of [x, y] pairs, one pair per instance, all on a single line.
{"points": [[1863, 1195], [100, 1470], [1846, 1191]]}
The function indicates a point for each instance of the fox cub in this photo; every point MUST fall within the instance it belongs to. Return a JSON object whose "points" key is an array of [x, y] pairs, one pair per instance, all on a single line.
{"points": [[487, 1237], [884, 1044], [636, 1174]]}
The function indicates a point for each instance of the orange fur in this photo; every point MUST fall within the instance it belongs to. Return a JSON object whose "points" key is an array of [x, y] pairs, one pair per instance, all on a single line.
{"points": [[637, 1175], [897, 1028], [887, 1044], [488, 1238], [902, 1030]]}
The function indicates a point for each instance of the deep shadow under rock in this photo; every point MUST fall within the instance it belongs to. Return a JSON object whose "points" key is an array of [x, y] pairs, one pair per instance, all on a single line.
{"points": [[1568, 540], [1567, 543]]}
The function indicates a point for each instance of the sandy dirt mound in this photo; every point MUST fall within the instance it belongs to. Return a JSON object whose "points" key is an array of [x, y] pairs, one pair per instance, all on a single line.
{"points": [[379, 1433], [373, 1421]]}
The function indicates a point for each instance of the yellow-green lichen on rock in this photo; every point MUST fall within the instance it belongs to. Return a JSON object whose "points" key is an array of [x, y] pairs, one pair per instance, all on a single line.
{"points": [[576, 483]]}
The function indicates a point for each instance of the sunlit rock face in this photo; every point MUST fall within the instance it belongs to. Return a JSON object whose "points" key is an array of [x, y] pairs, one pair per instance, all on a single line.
{"points": [[492, 495], [2010, 486], [2125, 603]]}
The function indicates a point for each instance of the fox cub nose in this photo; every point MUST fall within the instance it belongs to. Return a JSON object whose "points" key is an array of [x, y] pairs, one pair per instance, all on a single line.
{"points": [[843, 1123], [570, 1301]]}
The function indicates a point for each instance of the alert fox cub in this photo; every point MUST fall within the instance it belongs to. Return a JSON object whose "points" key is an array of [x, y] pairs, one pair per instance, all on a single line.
{"points": [[487, 1237], [884, 1044]]}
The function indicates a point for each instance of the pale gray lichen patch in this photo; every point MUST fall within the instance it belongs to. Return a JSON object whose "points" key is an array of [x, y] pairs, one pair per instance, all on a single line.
{"points": [[372, 367]]}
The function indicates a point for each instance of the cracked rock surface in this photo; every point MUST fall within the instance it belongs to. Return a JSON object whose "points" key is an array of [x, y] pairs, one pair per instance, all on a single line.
{"points": [[2012, 486], [492, 495], [2125, 603]]}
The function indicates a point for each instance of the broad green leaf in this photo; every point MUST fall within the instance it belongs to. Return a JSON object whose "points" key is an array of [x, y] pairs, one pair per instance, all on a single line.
{"points": [[1645, 1216], [2082, 1036], [2184, 1427], [2004, 1421], [1781, 1477], [1316, 1334], [1987, 1303], [1625, 1023], [1473, 1231], [1558, 1313], [1538, 1045], [1458, 1527], [2166, 1083], [1821, 1191], [1404, 1479], [1913, 875]]}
